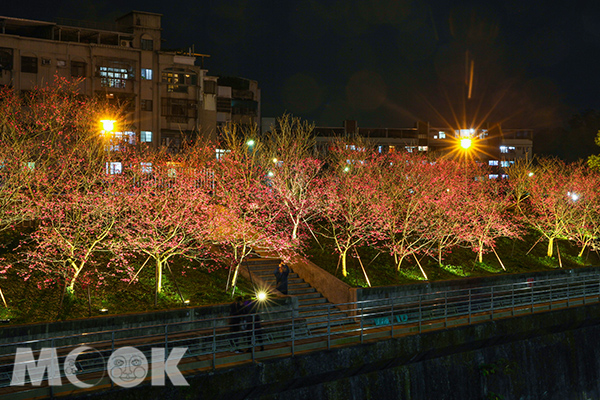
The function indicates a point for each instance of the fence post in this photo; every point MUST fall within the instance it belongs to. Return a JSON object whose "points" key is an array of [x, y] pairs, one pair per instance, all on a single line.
{"points": [[513, 299], [470, 299], [568, 293], [551, 295], [420, 311], [293, 333], [445, 309], [362, 318], [392, 317], [167, 338], [492, 305], [214, 344], [329, 326]]}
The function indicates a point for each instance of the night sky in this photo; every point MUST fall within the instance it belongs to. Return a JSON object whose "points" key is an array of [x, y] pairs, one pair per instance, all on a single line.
{"points": [[386, 63]]}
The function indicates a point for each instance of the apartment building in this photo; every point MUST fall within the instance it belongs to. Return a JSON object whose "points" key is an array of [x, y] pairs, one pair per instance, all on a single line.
{"points": [[238, 101], [168, 96], [495, 146]]}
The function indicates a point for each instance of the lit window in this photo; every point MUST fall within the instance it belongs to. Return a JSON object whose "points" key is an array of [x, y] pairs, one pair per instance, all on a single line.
{"points": [[113, 168], [504, 163], [147, 74], [493, 162], [493, 176], [220, 153], [115, 76], [146, 167], [146, 136], [441, 135], [503, 149], [422, 148]]}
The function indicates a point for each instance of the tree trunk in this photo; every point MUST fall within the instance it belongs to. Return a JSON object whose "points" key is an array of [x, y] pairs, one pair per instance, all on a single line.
{"points": [[582, 250], [343, 257], [399, 262], [480, 252], [550, 246]]}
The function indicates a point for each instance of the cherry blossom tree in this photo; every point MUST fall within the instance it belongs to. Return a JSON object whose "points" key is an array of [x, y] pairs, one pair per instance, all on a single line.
{"points": [[488, 203], [405, 182], [168, 214], [350, 206], [552, 203], [252, 218], [294, 175]]}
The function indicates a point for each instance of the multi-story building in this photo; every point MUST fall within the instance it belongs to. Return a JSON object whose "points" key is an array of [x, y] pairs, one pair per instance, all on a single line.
{"points": [[494, 146], [167, 96], [238, 101]]}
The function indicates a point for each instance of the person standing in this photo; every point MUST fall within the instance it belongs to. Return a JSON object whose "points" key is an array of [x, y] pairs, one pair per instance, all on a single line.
{"points": [[281, 277], [237, 311]]}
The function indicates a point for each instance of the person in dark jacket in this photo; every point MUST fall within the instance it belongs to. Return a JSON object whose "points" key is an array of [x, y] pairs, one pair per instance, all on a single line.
{"points": [[237, 320], [281, 277], [253, 324]]}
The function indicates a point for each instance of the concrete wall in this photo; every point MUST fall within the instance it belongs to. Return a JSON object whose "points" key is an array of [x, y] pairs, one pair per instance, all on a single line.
{"points": [[332, 288], [553, 356]]}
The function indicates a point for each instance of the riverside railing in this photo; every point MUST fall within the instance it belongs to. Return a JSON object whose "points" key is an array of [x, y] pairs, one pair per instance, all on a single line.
{"points": [[211, 343]]}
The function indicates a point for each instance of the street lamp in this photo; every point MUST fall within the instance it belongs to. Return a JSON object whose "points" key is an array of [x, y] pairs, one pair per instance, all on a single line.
{"points": [[466, 143], [108, 125]]}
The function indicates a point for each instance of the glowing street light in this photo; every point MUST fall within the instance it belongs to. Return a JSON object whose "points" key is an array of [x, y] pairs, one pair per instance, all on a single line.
{"points": [[261, 296], [108, 125], [250, 143], [466, 143]]}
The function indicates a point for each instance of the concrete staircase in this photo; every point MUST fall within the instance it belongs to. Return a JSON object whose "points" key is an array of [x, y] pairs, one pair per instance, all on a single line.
{"points": [[313, 306]]}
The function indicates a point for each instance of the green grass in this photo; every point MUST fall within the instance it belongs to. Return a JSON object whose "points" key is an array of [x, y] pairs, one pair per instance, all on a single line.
{"points": [[517, 257], [28, 303]]}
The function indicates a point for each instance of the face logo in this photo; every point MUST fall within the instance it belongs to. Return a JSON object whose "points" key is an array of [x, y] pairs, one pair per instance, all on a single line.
{"points": [[128, 367]]}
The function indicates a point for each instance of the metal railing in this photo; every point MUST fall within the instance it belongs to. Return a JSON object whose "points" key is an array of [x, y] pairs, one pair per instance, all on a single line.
{"points": [[213, 342]]}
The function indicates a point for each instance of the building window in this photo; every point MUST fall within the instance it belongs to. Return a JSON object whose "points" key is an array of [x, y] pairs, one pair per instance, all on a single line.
{"points": [[61, 63], [179, 109], [147, 74], [45, 61], [115, 75], [146, 167], [493, 163], [29, 64], [178, 82], [146, 105], [504, 164], [113, 168], [441, 135], [422, 148], [146, 136], [6, 59], [220, 153], [78, 68], [210, 87], [147, 44]]}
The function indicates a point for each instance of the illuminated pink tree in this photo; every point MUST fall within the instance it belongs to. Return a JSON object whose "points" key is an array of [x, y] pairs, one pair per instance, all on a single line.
{"points": [[405, 182], [350, 200], [169, 214], [251, 216], [294, 172], [551, 207], [487, 208]]}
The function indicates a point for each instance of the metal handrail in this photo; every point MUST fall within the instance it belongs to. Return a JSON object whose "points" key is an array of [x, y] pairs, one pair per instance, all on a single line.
{"points": [[212, 340]]}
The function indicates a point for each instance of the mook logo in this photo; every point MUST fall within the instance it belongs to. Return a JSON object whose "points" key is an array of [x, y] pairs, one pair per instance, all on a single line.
{"points": [[126, 367]]}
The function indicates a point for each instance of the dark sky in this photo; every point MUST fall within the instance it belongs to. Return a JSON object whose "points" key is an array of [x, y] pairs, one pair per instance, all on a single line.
{"points": [[385, 63]]}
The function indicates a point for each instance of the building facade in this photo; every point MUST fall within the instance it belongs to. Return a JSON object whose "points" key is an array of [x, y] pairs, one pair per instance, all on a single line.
{"points": [[167, 96], [495, 146]]}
